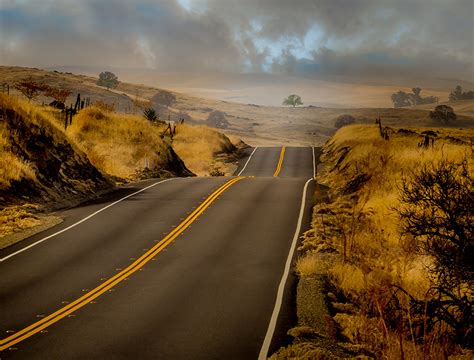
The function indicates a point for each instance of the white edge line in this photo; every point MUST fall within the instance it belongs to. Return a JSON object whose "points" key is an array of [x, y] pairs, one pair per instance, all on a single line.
{"points": [[248, 160], [314, 164], [81, 221], [281, 288]]}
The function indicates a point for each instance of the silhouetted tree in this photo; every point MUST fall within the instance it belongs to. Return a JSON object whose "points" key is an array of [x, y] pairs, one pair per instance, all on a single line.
{"points": [[344, 120], [458, 94], [416, 97], [401, 99], [293, 100], [108, 80], [437, 207], [443, 113], [30, 88]]}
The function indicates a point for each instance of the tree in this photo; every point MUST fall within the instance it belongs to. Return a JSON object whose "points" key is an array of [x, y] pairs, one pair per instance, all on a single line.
{"points": [[108, 80], [416, 97], [344, 120], [458, 94], [443, 113], [30, 88], [401, 99], [163, 98], [293, 100], [59, 95]]}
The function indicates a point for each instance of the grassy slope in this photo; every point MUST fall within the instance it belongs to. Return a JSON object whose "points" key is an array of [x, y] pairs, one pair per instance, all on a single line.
{"points": [[257, 125], [42, 162], [363, 218]]}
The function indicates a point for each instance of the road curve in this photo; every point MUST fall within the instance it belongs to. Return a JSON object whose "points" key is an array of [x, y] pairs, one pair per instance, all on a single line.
{"points": [[209, 294]]}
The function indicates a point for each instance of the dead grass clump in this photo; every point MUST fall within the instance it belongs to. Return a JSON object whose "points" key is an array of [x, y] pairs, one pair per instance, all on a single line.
{"points": [[309, 264]]}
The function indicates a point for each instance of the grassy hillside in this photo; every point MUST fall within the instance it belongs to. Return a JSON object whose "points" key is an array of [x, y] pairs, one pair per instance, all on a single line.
{"points": [[41, 162], [382, 281], [255, 124]]}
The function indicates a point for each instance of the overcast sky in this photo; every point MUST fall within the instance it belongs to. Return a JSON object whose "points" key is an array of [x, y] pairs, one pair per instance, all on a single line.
{"points": [[297, 37]]}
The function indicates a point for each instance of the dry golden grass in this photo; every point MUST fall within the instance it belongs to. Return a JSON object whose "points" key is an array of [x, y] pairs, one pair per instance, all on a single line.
{"points": [[118, 144], [198, 147], [256, 125], [361, 224], [12, 167], [309, 264], [17, 218]]}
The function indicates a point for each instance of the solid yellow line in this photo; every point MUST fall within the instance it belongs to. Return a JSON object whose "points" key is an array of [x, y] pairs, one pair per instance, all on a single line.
{"points": [[110, 283], [280, 162]]}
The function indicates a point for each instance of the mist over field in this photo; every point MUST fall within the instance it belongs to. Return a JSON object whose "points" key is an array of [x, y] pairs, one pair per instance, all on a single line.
{"points": [[251, 51]]}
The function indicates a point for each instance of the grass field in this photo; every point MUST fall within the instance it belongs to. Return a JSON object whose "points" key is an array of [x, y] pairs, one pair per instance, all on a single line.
{"points": [[255, 124]]}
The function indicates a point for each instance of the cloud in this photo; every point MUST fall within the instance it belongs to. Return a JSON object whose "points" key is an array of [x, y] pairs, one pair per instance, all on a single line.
{"points": [[307, 38]]}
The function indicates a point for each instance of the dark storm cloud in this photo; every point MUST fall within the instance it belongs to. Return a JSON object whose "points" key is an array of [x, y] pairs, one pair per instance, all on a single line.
{"points": [[304, 37]]}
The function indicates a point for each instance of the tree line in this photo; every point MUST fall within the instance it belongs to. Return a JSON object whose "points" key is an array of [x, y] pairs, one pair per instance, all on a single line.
{"points": [[404, 99], [458, 94]]}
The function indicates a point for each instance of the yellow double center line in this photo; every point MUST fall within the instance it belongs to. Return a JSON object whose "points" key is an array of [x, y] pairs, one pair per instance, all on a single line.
{"points": [[110, 283], [280, 162]]}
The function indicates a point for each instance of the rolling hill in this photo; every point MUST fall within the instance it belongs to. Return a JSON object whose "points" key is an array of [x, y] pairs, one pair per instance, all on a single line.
{"points": [[255, 124]]}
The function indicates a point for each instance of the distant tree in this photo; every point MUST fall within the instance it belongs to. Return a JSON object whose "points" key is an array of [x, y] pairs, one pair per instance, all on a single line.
{"points": [[108, 80], [344, 120], [401, 99], [30, 88], [458, 94], [416, 97], [443, 113], [293, 100], [429, 100], [163, 98]]}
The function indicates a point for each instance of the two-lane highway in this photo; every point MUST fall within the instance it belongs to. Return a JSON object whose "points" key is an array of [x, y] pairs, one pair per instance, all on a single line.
{"points": [[186, 269]]}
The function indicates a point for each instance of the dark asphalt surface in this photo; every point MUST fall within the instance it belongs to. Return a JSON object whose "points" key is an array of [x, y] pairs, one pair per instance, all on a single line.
{"points": [[208, 295]]}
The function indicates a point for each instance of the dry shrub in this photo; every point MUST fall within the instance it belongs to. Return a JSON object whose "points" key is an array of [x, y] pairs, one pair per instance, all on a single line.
{"points": [[309, 264], [303, 351]]}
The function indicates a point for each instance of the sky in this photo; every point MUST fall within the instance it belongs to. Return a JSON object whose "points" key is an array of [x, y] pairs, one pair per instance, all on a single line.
{"points": [[302, 38]]}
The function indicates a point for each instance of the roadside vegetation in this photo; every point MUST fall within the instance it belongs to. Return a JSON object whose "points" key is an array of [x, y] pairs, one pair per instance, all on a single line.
{"points": [[391, 248], [44, 162]]}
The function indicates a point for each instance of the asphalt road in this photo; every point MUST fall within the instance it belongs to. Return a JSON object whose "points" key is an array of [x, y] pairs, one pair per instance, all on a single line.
{"points": [[184, 269]]}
